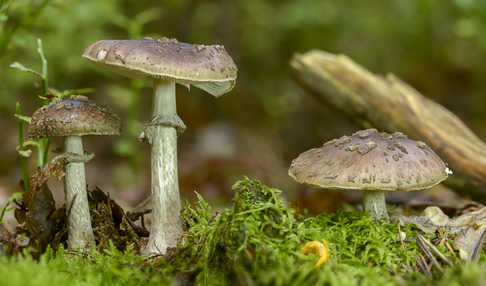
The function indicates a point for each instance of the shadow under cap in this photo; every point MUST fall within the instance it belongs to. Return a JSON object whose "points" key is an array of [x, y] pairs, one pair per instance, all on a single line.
{"points": [[370, 160], [208, 67], [73, 117]]}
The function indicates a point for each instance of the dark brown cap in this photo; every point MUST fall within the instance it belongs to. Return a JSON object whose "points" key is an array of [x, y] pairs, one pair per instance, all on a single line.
{"points": [[73, 117], [370, 160], [207, 67]]}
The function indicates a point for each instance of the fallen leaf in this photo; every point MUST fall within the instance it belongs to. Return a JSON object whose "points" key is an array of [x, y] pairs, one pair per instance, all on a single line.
{"points": [[470, 228]]}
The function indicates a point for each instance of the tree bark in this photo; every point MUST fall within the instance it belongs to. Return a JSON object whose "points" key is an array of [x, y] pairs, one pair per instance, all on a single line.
{"points": [[390, 104]]}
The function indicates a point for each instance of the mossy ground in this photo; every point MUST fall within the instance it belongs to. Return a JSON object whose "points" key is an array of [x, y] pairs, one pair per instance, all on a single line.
{"points": [[256, 242]]}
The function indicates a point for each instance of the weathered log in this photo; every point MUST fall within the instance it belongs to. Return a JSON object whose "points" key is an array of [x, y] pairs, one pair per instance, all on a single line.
{"points": [[390, 104]]}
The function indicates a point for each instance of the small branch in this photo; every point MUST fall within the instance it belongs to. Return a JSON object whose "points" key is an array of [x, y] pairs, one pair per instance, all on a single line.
{"points": [[422, 265], [435, 250], [427, 252], [449, 247]]}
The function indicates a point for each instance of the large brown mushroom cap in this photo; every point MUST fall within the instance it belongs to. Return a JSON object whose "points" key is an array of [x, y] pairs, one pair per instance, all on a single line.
{"points": [[207, 67], [369, 160], [73, 117]]}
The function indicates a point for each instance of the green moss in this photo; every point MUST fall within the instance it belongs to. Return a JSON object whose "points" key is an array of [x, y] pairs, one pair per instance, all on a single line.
{"points": [[110, 267], [260, 239], [257, 241]]}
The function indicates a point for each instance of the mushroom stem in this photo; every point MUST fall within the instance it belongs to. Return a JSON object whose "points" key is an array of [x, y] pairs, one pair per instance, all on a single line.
{"points": [[375, 205], [80, 232], [166, 227]]}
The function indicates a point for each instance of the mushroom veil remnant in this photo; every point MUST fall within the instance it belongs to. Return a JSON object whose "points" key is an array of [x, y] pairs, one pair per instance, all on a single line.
{"points": [[373, 162], [168, 62], [74, 118]]}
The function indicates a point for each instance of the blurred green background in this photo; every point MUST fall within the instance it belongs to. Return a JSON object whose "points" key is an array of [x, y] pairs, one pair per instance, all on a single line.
{"points": [[439, 47]]}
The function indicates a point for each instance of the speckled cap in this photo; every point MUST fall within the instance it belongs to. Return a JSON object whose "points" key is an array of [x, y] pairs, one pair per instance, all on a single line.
{"points": [[370, 160], [207, 67], [73, 117]]}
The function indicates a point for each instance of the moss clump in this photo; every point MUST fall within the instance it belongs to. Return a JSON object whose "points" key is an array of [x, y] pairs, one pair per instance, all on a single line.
{"points": [[231, 245], [257, 241]]}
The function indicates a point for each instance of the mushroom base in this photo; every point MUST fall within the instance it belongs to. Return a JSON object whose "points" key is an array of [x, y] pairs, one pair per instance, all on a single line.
{"points": [[374, 204]]}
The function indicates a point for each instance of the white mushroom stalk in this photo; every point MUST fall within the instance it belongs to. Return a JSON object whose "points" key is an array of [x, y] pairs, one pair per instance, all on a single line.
{"points": [[80, 232], [374, 204], [161, 133]]}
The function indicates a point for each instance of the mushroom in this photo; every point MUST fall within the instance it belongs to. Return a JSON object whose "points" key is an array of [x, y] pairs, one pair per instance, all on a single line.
{"points": [[74, 118], [168, 62], [373, 162]]}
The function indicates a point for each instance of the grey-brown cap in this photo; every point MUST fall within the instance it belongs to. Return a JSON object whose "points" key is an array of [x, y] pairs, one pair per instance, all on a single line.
{"points": [[370, 160], [73, 117], [207, 67]]}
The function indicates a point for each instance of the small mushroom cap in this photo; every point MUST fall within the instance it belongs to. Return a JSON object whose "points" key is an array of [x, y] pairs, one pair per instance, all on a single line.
{"points": [[370, 160], [207, 67], [73, 117]]}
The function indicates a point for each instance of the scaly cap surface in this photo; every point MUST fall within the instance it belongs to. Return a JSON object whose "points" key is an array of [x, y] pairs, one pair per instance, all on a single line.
{"points": [[370, 160], [73, 117], [207, 67]]}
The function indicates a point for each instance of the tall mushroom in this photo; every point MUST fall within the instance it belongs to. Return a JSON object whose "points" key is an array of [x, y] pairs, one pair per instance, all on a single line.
{"points": [[74, 118], [168, 62], [373, 162]]}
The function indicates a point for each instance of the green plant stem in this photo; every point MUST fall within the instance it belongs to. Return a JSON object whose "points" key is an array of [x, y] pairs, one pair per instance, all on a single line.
{"points": [[43, 151], [45, 81], [25, 177], [23, 165], [43, 143]]}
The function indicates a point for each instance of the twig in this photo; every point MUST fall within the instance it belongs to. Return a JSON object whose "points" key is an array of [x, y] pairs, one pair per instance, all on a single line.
{"points": [[449, 247], [422, 264], [142, 221], [427, 266], [407, 268], [443, 236], [434, 249], [427, 252], [445, 240], [140, 231]]}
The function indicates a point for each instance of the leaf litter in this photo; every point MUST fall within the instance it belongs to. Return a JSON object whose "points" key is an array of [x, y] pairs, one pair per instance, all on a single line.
{"points": [[41, 225]]}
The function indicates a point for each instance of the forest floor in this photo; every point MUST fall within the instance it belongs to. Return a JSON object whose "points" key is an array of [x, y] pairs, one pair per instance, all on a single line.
{"points": [[258, 241]]}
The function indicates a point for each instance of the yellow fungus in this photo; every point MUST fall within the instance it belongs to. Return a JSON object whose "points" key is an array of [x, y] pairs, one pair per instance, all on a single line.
{"points": [[319, 248]]}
